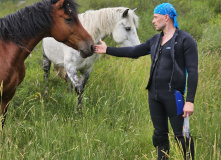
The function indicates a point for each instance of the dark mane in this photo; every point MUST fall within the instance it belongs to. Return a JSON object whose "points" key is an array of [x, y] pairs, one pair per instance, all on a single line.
{"points": [[32, 20]]}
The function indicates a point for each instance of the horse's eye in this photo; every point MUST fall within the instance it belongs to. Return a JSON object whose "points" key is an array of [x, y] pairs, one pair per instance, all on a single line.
{"points": [[127, 28], [68, 19]]}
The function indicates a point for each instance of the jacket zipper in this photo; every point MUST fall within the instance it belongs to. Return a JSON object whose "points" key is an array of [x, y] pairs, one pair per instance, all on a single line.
{"points": [[156, 92]]}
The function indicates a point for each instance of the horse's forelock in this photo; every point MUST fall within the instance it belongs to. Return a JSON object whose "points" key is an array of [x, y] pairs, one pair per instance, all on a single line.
{"points": [[117, 12], [70, 8], [134, 18]]}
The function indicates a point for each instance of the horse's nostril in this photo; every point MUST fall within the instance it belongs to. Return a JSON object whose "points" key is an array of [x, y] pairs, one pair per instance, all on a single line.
{"points": [[92, 48]]}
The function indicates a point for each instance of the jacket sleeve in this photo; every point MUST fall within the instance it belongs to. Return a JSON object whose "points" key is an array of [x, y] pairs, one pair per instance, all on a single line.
{"points": [[191, 63], [130, 52]]}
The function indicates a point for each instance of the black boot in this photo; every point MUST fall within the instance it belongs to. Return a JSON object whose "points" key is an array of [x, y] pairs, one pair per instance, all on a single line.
{"points": [[163, 152]]}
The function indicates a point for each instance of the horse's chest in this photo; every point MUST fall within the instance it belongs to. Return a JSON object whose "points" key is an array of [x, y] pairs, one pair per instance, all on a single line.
{"points": [[12, 69], [84, 64], [13, 76]]}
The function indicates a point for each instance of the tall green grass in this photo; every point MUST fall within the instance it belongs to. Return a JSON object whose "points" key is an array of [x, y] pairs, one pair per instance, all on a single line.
{"points": [[115, 121]]}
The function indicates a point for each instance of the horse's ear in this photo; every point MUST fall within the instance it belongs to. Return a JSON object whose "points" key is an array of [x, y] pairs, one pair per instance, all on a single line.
{"points": [[54, 1], [134, 9], [125, 13], [58, 3]]}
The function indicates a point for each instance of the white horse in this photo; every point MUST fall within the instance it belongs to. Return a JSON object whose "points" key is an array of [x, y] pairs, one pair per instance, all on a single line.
{"points": [[120, 22]]}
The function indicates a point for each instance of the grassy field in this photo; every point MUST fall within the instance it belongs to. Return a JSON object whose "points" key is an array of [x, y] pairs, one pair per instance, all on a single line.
{"points": [[115, 121]]}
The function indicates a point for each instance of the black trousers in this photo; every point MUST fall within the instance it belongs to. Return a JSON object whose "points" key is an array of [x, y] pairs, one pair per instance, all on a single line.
{"points": [[166, 104]]}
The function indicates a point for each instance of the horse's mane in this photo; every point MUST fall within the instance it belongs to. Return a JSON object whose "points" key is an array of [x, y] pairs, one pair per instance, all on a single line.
{"points": [[105, 19], [30, 21]]}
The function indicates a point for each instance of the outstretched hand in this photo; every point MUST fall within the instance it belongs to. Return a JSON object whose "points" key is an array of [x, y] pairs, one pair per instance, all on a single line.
{"points": [[100, 48]]}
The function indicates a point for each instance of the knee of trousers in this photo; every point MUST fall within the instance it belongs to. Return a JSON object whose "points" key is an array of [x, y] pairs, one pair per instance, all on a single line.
{"points": [[160, 139]]}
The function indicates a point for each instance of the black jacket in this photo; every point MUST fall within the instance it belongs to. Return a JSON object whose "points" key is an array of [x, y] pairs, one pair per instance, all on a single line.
{"points": [[183, 53]]}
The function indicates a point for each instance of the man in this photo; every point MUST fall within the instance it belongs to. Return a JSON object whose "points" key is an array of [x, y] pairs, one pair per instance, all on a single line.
{"points": [[173, 54]]}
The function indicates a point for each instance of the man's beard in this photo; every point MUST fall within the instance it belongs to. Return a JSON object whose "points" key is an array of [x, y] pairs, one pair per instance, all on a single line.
{"points": [[160, 28]]}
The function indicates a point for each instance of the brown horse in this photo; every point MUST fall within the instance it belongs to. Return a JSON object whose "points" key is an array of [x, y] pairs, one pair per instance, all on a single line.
{"points": [[21, 32]]}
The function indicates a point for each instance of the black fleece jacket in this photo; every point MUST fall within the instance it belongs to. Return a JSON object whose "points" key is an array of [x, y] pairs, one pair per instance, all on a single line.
{"points": [[184, 56]]}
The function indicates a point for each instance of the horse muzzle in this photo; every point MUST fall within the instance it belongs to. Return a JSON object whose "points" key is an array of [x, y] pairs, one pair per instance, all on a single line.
{"points": [[87, 49], [85, 55]]}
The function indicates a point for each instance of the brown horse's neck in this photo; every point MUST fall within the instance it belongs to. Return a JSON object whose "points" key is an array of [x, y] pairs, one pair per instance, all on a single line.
{"points": [[30, 45], [16, 55]]}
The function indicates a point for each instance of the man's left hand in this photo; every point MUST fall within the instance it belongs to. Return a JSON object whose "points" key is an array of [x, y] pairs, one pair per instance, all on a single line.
{"points": [[188, 108]]}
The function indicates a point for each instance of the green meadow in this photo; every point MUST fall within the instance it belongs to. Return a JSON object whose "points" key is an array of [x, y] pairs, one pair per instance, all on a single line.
{"points": [[114, 122]]}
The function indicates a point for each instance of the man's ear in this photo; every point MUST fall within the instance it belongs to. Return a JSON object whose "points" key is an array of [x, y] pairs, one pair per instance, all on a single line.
{"points": [[167, 17]]}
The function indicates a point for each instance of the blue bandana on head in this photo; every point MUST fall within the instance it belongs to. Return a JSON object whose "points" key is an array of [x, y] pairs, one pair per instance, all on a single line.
{"points": [[167, 8]]}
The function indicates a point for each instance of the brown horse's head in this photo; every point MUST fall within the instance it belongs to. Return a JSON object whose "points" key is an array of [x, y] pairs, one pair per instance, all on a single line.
{"points": [[67, 28]]}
